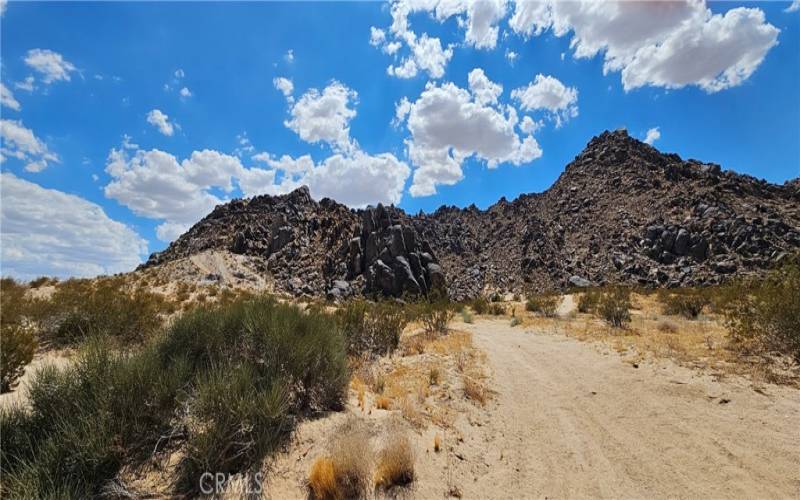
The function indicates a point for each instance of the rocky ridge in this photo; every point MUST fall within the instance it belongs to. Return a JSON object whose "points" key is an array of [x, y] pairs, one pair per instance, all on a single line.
{"points": [[622, 212]]}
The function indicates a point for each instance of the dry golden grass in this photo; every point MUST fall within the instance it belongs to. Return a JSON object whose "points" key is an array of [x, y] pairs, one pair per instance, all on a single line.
{"points": [[437, 443], [383, 403], [475, 390], [395, 463], [434, 376], [345, 471]]}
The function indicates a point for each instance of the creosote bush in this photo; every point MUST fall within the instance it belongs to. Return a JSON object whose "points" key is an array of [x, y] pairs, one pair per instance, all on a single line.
{"points": [[614, 306], [435, 316], [225, 382], [688, 302], [543, 304], [764, 315], [372, 328], [588, 300]]}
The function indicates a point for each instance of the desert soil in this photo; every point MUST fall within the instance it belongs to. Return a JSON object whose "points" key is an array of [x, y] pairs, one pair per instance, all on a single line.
{"points": [[573, 419]]}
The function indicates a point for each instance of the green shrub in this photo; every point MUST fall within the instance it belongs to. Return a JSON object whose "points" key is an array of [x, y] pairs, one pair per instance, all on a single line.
{"points": [[371, 328], [688, 303], [226, 382], [764, 315], [480, 305], [588, 300], [544, 304], [18, 345], [614, 306], [17, 342], [435, 316], [466, 316], [82, 308]]}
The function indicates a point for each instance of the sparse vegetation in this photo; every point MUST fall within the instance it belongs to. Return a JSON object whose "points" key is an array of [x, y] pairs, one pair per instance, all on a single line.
{"points": [[543, 304], [466, 316], [687, 302], [395, 463], [764, 316], [614, 306], [496, 309]]}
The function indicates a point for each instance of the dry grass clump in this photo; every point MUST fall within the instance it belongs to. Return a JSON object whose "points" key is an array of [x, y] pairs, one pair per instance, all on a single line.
{"points": [[437, 443], [667, 326], [345, 471], [395, 463], [475, 390], [544, 304], [434, 376], [496, 309], [383, 403]]}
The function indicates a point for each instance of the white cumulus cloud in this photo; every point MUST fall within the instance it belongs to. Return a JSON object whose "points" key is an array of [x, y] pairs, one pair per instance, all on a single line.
{"points": [[449, 124], [21, 143], [662, 44], [324, 116], [51, 65], [548, 93], [49, 232], [161, 121], [284, 85], [7, 98]]}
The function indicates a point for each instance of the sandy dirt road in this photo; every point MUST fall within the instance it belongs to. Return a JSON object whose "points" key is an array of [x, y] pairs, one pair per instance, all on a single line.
{"points": [[571, 420]]}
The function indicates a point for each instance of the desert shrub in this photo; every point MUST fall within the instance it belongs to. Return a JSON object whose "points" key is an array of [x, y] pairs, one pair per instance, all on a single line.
{"points": [[18, 345], [496, 309], [497, 297], [544, 304], [226, 382], [345, 471], [435, 316], [83, 308], [17, 342], [466, 316], [40, 281], [764, 315], [395, 465], [434, 376], [515, 322], [588, 300], [614, 306], [480, 305], [688, 303], [371, 328]]}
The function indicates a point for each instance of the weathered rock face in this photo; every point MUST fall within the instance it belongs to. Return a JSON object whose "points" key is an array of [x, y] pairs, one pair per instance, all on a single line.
{"points": [[622, 212], [318, 248]]}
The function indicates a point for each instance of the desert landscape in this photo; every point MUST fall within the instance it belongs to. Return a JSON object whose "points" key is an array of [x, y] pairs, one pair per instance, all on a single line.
{"points": [[661, 376], [478, 249]]}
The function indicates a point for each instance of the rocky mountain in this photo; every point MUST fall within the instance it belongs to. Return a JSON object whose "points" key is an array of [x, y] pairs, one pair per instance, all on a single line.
{"points": [[622, 212]]}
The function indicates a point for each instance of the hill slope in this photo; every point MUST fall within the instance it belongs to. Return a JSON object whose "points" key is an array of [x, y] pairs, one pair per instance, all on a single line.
{"points": [[621, 212]]}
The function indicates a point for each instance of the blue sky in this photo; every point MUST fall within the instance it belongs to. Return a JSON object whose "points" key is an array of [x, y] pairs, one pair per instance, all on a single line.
{"points": [[123, 123]]}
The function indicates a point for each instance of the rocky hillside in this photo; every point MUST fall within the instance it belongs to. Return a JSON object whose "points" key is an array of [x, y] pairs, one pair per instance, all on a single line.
{"points": [[621, 212]]}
